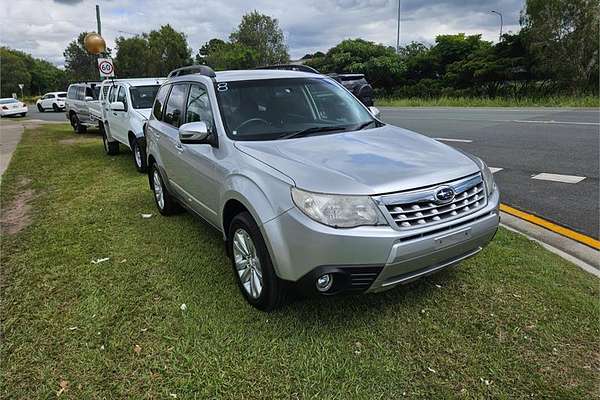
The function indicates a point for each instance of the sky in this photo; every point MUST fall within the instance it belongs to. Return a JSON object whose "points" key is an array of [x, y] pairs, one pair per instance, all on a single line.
{"points": [[43, 28]]}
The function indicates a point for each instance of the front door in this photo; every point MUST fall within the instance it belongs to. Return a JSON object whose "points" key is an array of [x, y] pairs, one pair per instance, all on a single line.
{"points": [[199, 176], [119, 119]]}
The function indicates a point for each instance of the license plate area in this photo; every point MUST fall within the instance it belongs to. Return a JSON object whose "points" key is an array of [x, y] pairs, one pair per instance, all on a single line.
{"points": [[453, 238]]}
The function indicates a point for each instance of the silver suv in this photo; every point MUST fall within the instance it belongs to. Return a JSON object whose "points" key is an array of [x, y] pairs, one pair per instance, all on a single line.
{"points": [[309, 188]]}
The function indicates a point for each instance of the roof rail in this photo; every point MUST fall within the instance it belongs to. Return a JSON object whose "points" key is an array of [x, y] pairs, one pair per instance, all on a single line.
{"points": [[193, 69], [291, 67]]}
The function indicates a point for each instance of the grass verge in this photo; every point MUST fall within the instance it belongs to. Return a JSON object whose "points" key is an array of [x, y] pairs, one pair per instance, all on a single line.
{"points": [[514, 322], [558, 101]]}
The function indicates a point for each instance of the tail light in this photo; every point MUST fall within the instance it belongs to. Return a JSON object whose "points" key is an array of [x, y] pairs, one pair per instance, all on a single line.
{"points": [[23, 105], [4, 108]]}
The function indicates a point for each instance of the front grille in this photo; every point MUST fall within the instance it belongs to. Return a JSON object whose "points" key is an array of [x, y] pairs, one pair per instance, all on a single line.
{"points": [[420, 208]]}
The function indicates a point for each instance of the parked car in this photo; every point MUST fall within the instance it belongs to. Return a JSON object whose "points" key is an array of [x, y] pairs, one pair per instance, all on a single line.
{"points": [[127, 104], [80, 97], [356, 83], [309, 188], [10, 106], [52, 101]]}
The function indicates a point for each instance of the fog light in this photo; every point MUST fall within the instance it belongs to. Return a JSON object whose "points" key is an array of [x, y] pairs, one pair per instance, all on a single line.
{"points": [[324, 282]]}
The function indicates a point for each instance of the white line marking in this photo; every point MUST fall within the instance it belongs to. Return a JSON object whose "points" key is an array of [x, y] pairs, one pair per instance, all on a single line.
{"points": [[441, 139], [556, 122], [558, 178], [494, 169]]}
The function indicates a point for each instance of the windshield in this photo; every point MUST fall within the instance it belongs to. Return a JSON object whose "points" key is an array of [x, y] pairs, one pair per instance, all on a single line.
{"points": [[281, 108], [143, 96]]}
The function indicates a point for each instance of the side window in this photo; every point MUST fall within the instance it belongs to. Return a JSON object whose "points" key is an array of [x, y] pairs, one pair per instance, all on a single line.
{"points": [[174, 109], [113, 93], [198, 107], [80, 92], [122, 96], [71, 92], [159, 101]]}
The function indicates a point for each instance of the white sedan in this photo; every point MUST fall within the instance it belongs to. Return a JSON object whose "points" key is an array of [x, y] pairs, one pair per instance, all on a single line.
{"points": [[52, 101], [10, 106]]}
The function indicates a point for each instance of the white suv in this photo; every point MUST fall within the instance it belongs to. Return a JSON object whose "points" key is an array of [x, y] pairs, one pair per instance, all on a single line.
{"points": [[125, 110], [52, 101]]}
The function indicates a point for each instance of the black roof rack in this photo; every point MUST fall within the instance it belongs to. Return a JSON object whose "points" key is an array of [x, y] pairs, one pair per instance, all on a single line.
{"points": [[291, 67], [193, 69]]}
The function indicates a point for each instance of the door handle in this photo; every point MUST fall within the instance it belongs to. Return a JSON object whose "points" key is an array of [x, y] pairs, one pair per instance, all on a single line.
{"points": [[179, 147]]}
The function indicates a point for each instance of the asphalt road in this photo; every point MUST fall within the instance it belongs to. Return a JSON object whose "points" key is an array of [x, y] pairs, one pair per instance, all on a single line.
{"points": [[33, 113], [525, 142]]}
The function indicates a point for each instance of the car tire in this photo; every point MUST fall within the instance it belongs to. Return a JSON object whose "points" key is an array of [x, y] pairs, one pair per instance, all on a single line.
{"points": [[110, 148], [78, 127], [55, 107], [259, 268], [139, 156], [40, 108], [165, 202], [23, 114]]}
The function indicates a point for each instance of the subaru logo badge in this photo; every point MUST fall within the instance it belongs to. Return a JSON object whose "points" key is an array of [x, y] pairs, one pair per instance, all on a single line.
{"points": [[444, 194]]}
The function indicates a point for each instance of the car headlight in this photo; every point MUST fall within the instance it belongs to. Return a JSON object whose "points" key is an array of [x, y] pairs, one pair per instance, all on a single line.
{"points": [[488, 177], [338, 211]]}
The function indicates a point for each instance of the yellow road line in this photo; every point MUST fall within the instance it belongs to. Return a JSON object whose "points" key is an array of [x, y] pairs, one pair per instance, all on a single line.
{"points": [[587, 240]]}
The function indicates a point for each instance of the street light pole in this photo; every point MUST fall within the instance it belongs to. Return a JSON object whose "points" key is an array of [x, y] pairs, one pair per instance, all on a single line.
{"points": [[98, 19], [501, 23], [398, 31]]}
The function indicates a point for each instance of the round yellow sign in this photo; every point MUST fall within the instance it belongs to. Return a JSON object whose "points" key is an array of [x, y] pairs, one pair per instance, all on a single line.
{"points": [[94, 43]]}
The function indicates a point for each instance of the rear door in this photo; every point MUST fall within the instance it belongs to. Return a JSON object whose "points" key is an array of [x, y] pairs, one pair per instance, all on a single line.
{"points": [[168, 141]]}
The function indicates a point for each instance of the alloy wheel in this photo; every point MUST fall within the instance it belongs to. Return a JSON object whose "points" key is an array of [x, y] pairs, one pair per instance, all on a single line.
{"points": [[247, 263], [138, 155], [158, 190]]}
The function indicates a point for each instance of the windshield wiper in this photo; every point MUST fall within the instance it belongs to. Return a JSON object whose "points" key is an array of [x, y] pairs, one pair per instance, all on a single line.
{"points": [[314, 129], [363, 126]]}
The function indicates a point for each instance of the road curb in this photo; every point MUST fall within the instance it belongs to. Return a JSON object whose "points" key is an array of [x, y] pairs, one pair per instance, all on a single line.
{"points": [[571, 250]]}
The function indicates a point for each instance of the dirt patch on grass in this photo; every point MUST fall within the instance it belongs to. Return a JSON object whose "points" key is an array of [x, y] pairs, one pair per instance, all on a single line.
{"points": [[16, 216], [79, 140]]}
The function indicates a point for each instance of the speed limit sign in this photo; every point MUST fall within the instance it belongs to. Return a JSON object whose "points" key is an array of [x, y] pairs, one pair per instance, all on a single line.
{"points": [[106, 68]]}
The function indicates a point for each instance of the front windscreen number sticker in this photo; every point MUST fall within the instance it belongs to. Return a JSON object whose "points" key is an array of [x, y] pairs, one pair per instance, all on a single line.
{"points": [[222, 87]]}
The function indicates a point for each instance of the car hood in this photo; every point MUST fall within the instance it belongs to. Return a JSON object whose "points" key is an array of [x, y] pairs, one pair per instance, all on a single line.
{"points": [[144, 112], [374, 161]]}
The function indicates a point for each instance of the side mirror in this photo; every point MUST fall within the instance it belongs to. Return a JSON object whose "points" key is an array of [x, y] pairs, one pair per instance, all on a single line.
{"points": [[194, 133], [89, 98], [117, 106], [375, 111]]}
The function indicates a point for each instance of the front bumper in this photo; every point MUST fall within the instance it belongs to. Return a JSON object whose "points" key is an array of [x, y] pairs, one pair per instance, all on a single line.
{"points": [[377, 258]]}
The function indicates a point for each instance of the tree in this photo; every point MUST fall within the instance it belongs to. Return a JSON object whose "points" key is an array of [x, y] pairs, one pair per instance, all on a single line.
{"points": [[79, 64], [565, 35], [263, 35], [37, 76], [380, 64], [221, 55], [167, 50], [132, 57], [18, 73]]}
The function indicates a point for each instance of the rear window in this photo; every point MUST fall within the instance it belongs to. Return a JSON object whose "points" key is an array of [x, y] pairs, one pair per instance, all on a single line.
{"points": [[8, 101], [61, 95], [143, 96], [160, 101]]}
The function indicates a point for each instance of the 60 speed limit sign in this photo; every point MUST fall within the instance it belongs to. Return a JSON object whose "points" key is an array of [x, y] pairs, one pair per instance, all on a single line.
{"points": [[105, 66]]}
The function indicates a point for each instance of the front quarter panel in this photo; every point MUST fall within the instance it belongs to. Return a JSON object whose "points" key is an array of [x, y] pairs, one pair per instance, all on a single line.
{"points": [[264, 191]]}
